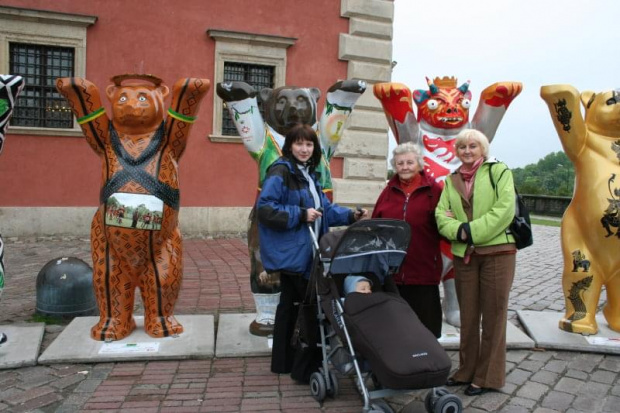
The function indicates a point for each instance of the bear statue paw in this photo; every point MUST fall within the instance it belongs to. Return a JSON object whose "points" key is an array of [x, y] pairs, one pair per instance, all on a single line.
{"points": [[162, 326], [583, 326], [112, 329], [612, 317]]}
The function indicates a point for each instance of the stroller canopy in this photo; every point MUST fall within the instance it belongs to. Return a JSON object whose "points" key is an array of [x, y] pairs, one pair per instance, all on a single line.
{"points": [[375, 246]]}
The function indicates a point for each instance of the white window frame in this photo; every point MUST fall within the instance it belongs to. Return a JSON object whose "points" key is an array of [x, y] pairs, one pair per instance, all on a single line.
{"points": [[247, 48], [19, 25]]}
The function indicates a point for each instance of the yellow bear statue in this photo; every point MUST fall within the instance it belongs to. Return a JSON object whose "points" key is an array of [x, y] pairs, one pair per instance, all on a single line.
{"points": [[591, 224]]}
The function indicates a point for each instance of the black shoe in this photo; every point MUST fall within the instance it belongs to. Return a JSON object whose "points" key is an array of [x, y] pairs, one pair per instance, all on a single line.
{"points": [[451, 382], [474, 391]]}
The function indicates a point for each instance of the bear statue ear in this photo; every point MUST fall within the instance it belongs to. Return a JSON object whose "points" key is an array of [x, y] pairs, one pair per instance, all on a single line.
{"points": [[109, 91], [419, 96], [587, 98], [316, 93], [164, 90], [265, 93]]}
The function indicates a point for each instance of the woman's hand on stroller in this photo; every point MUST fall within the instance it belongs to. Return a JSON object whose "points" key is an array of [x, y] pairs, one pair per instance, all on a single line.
{"points": [[360, 213], [312, 214]]}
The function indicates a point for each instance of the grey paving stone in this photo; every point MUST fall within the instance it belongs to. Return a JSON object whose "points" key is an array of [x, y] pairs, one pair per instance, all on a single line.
{"points": [[568, 385], [611, 364], [603, 376], [557, 400], [531, 365], [522, 402], [534, 391], [518, 376], [556, 366], [545, 377], [541, 355], [509, 388], [588, 403], [510, 408], [594, 389], [577, 374], [490, 402], [584, 363], [516, 356], [88, 386], [612, 404]]}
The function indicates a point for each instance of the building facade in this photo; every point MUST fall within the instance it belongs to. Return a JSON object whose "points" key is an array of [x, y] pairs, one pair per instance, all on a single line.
{"points": [[50, 178]]}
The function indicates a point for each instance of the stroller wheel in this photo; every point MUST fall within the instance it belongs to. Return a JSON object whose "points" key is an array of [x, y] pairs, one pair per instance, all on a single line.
{"points": [[381, 406], [333, 378], [318, 388], [448, 403], [429, 401], [432, 396]]}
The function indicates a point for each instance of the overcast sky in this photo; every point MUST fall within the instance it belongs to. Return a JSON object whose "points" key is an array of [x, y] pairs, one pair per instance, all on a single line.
{"points": [[536, 42]]}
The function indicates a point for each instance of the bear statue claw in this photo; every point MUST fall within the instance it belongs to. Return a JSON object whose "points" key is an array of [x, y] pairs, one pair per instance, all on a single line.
{"points": [[235, 91], [356, 86]]}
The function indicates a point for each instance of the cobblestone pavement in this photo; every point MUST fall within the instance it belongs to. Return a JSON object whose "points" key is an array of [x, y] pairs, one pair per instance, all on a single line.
{"points": [[215, 281]]}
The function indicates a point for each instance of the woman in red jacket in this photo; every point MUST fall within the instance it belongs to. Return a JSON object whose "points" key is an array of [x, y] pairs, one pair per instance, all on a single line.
{"points": [[412, 196]]}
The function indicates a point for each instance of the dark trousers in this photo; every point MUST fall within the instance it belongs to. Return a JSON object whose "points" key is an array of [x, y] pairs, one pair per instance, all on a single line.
{"points": [[286, 358], [426, 303]]}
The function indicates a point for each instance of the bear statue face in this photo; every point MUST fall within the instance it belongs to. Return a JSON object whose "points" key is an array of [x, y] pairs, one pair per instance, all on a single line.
{"points": [[288, 105], [444, 106], [603, 112], [137, 108]]}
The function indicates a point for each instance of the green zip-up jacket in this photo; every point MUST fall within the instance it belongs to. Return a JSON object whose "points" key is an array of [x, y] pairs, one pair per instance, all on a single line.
{"points": [[493, 210]]}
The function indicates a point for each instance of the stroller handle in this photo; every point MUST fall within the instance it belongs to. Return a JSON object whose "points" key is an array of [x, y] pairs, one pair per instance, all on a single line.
{"points": [[315, 241]]}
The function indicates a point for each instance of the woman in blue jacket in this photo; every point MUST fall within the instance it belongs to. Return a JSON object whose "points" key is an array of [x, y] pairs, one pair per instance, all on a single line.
{"points": [[290, 201]]}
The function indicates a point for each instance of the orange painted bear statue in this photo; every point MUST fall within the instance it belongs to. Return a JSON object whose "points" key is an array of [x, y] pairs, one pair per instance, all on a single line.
{"points": [[135, 236]]}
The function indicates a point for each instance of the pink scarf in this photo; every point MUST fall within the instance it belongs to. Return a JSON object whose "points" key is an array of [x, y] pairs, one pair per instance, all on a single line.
{"points": [[468, 176]]}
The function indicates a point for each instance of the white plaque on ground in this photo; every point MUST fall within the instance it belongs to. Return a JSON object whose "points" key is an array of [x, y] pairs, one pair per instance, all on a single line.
{"points": [[127, 348]]}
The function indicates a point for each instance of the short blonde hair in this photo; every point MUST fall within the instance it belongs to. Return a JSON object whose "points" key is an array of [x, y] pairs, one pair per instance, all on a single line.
{"points": [[407, 147], [473, 135]]}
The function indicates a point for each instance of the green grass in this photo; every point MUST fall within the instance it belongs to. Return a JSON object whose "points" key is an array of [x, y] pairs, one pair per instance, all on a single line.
{"points": [[546, 222]]}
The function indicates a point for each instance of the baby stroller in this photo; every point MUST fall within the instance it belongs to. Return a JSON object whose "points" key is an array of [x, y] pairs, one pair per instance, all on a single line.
{"points": [[376, 337]]}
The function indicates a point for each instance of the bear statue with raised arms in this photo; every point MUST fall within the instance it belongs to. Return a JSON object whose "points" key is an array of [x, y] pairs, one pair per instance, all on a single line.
{"points": [[263, 139], [135, 236]]}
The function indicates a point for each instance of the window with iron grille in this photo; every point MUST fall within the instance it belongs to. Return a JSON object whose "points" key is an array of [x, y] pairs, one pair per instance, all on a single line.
{"points": [[40, 105], [257, 76]]}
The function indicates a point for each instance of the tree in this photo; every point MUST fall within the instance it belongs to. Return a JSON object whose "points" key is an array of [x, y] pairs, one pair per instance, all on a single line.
{"points": [[552, 175]]}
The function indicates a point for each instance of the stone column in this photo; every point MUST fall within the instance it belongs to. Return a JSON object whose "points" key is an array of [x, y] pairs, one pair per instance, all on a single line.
{"points": [[364, 146]]}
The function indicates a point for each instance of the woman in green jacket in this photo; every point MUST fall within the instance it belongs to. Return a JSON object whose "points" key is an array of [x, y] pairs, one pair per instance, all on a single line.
{"points": [[475, 218]]}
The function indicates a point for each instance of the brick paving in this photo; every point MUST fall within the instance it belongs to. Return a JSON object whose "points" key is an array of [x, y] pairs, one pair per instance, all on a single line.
{"points": [[215, 281]]}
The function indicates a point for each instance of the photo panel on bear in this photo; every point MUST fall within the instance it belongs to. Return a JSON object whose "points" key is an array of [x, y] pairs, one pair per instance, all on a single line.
{"points": [[138, 211]]}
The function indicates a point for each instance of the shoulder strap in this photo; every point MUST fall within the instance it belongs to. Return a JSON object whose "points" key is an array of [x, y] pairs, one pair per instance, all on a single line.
{"points": [[500, 177]]}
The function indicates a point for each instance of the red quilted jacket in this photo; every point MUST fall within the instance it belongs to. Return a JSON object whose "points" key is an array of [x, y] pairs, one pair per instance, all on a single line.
{"points": [[422, 266]]}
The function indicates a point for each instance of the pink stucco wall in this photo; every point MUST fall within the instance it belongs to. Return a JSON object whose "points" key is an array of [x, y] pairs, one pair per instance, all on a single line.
{"points": [[169, 39]]}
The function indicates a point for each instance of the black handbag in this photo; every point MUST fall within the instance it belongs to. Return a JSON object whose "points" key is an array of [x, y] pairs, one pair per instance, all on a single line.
{"points": [[306, 332], [521, 225]]}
